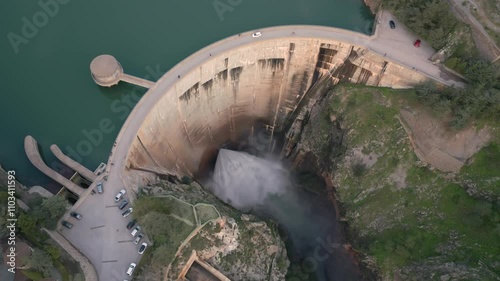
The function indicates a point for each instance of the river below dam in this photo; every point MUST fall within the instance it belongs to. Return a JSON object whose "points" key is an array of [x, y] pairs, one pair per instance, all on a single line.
{"points": [[47, 46], [313, 237]]}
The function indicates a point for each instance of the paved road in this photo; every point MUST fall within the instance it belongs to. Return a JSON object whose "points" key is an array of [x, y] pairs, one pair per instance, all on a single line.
{"points": [[112, 242], [463, 12]]}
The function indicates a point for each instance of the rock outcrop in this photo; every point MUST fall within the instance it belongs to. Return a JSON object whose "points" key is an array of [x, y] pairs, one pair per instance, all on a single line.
{"points": [[240, 246]]}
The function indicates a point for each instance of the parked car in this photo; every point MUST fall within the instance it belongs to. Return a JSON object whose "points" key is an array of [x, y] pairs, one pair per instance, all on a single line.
{"points": [[120, 194], [130, 269], [76, 215], [123, 204], [67, 224], [143, 248], [417, 43], [127, 212], [392, 24], [99, 187], [131, 224], [256, 34], [136, 230], [138, 238]]}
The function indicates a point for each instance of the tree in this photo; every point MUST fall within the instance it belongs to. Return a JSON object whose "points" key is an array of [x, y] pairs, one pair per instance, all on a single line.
{"points": [[27, 224], [39, 261], [480, 72], [78, 277], [56, 206], [52, 210], [53, 252]]}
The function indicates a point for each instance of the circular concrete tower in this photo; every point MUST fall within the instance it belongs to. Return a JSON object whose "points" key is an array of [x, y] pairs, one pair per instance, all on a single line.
{"points": [[106, 70]]}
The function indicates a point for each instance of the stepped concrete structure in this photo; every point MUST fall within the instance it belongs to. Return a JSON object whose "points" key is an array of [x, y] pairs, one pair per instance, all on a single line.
{"points": [[31, 148], [77, 167]]}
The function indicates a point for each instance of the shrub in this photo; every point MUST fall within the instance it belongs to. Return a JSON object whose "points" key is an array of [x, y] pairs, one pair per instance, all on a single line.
{"points": [[358, 169]]}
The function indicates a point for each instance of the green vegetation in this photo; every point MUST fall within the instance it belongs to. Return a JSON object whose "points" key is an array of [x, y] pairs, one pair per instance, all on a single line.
{"points": [[33, 275], [430, 19], [480, 99], [206, 213], [45, 213], [168, 222], [434, 21], [39, 261], [484, 171], [166, 229], [426, 218], [252, 240]]}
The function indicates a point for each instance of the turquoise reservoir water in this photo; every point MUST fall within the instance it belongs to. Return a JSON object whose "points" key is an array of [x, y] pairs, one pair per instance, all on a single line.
{"points": [[47, 45]]}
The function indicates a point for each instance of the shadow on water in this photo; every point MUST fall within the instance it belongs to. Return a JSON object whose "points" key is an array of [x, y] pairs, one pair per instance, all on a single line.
{"points": [[313, 238]]}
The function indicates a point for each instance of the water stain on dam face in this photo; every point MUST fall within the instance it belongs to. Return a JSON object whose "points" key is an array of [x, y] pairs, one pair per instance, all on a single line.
{"points": [[268, 80], [253, 138]]}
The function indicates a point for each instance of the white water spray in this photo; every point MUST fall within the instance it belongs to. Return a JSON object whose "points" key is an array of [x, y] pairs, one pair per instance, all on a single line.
{"points": [[245, 181]]}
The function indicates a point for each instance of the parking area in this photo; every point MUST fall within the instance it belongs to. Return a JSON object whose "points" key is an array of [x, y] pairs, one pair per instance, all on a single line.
{"points": [[101, 235], [398, 43]]}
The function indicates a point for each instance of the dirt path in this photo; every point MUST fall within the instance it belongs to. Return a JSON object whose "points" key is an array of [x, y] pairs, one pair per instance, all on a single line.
{"points": [[433, 143], [484, 17], [484, 42]]}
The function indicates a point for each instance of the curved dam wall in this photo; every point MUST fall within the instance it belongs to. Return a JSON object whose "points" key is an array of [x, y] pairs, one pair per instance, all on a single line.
{"points": [[264, 81]]}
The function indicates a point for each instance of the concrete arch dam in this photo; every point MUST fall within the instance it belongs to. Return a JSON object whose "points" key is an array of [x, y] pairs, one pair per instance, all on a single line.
{"points": [[222, 96]]}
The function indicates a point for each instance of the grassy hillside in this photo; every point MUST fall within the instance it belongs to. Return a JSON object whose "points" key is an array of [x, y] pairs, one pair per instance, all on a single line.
{"points": [[413, 221]]}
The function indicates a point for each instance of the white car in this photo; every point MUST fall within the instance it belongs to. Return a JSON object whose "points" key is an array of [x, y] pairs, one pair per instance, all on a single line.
{"points": [[136, 230], [138, 238], [256, 34], [143, 248], [120, 195], [131, 268]]}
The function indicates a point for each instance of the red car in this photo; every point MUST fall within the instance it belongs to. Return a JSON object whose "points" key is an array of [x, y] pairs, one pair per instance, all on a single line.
{"points": [[417, 43]]}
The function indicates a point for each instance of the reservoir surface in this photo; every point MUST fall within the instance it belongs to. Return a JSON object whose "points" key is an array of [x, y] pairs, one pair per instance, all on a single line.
{"points": [[46, 48]]}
